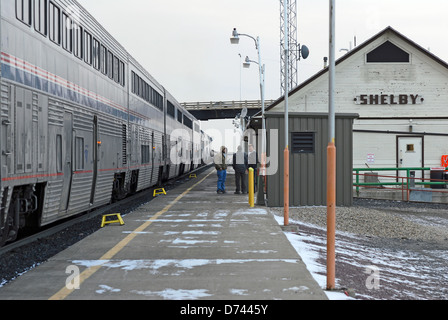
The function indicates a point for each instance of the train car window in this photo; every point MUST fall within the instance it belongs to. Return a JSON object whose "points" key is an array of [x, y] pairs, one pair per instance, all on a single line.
{"points": [[87, 48], [110, 64], [55, 23], [79, 153], [153, 98], [23, 11], [103, 59], [96, 54], [160, 102], [77, 40], [171, 110], [144, 89], [122, 73], [133, 82], [188, 122], [66, 32], [179, 116], [145, 154], [147, 92], [116, 74], [141, 84], [59, 153], [40, 16]]}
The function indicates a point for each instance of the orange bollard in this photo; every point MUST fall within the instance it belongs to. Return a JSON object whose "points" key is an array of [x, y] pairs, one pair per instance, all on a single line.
{"points": [[331, 216], [286, 187]]}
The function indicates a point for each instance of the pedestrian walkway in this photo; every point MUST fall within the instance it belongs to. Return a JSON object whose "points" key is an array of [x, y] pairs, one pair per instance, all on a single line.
{"points": [[191, 244]]}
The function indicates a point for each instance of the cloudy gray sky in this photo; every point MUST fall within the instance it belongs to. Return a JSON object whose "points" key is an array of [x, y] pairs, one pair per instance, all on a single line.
{"points": [[185, 44]]}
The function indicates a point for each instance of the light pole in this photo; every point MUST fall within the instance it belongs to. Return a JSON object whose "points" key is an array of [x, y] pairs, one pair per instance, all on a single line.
{"points": [[331, 160], [286, 151], [235, 39]]}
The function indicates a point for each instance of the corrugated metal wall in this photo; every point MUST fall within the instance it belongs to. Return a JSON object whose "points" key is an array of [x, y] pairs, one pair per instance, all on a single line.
{"points": [[308, 171]]}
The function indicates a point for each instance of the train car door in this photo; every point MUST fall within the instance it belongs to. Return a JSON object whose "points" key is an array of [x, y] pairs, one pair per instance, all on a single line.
{"points": [[95, 144], [410, 154], [153, 154], [67, 150]]}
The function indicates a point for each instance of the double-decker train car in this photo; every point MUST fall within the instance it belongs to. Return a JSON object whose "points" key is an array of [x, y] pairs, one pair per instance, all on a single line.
{"points": [[82, 122]]}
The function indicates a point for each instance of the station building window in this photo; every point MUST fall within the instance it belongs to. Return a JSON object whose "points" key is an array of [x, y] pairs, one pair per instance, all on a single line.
{"points": [[388, 53]]}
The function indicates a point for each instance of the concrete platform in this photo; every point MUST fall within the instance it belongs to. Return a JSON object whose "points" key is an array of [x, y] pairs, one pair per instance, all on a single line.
{"points": [[191, 244]]}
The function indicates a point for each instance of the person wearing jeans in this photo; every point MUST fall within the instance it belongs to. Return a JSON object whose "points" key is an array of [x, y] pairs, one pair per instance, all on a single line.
{"points": [[221, 168]]}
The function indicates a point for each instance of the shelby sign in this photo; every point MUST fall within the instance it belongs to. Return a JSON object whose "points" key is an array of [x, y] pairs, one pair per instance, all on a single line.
{"points": [[384, 99]]}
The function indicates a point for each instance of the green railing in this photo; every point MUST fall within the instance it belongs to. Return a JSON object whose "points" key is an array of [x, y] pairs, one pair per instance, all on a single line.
{"points": [[398, 183]]}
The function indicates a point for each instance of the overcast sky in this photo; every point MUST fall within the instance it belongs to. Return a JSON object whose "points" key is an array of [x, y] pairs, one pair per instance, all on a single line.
{"points": [[185, 44]]}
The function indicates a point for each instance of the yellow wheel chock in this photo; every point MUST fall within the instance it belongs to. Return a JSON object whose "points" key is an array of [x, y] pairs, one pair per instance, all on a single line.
{"points": [[193, 175], [119, 219], [159, 191]]}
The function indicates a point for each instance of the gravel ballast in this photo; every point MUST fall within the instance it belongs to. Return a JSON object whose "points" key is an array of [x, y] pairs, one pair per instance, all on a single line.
{"points": [[384, 219]]}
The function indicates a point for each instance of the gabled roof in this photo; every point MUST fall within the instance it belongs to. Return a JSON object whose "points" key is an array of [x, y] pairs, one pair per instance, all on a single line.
{"points": [[356, 50]]}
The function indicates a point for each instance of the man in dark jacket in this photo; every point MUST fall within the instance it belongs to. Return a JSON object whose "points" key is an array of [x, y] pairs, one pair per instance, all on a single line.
{"points": [[221, 168], [240, 165]]}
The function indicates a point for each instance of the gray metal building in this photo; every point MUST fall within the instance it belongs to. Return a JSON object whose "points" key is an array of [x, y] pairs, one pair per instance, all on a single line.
{"points": [[308, 158]]}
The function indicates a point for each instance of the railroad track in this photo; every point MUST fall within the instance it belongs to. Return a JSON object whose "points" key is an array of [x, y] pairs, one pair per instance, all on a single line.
{"points": [[132, 201]]}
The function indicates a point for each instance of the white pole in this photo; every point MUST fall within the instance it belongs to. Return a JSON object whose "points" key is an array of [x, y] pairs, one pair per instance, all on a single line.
{"points": [[286, 152], [331, 161]]}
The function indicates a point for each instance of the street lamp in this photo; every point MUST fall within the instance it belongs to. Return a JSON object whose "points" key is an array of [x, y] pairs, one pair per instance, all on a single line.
{"points": [[235, 39], [247, 62]]}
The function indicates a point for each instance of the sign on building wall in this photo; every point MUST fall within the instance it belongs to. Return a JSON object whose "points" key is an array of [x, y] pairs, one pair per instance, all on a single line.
{"points": [[389, 99]]}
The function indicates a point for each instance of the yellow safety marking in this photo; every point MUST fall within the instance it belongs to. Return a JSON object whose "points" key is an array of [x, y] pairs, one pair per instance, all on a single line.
{"points": [[159, 191], [119, 219], [65, 292]]}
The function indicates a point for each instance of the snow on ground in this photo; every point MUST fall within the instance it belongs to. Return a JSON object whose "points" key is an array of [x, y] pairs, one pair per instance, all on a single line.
{"points": [[375, 270]]}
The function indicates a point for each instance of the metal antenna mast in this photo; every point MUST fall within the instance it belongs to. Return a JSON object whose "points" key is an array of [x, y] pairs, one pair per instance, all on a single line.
{"points": [[289, 29]]}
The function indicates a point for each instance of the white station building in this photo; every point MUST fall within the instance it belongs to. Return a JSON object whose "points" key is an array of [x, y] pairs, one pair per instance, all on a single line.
{"points": [[399, 90]]}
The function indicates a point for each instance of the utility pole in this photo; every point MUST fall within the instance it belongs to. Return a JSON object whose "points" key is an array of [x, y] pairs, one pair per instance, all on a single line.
{"points": [[331, 160], [286, 152]]}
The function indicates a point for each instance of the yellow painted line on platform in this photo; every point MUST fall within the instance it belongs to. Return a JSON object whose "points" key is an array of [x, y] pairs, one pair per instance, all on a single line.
{"points": [[65, 292]]}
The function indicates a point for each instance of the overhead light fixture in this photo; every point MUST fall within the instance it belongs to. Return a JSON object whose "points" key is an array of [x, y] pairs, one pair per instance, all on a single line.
{"points": [[235, 37]]}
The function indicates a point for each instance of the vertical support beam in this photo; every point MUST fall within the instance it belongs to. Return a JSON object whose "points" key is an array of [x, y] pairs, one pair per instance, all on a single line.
{"points": [[331, 161], [286, 152]]}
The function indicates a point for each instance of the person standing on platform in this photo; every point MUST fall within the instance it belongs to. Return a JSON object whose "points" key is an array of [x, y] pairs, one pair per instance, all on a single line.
{"points": [[221, 168], [240, 164], [253, 163]]}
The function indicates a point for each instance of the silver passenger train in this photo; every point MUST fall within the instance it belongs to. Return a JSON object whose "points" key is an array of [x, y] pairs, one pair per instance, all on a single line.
{"points": [[82, 122]]}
